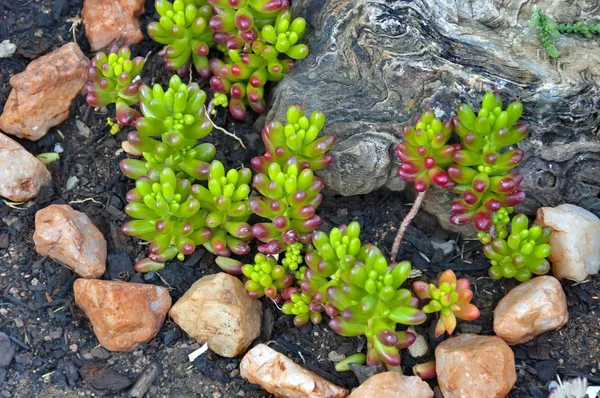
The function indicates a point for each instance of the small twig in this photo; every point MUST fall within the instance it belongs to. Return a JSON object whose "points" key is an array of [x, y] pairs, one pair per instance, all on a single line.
{"points": [[85, 200], [405, 223], [235, 137], [75, 22]]}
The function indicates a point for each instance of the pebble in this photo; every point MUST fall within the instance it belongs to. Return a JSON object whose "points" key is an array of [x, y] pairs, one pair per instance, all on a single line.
{"points": [[71, 183], [335, 356], [7, 49], [109, 21], [144, 381], [392, 384], [100, 353], [419, 347]]}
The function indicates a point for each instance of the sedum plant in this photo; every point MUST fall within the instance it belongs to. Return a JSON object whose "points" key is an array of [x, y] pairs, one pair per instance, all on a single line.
{"points": [[299, 138], [289, 199], [482, 172], [548, 30], [113, 81], [450, 297], [183, 28], [355, 286], [425, 154], [520, 255], [226, 199], [266, 277]]}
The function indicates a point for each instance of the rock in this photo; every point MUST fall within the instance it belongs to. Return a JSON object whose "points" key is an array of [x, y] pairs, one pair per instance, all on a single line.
{"points": [[104, 381], [375, 65], [148, 376], [471, 365], [7, 350], [530, 309], [107, 22], [216, 310], [124, 315], [280, 376], [575, 241], [419, 347], [391, 384], [69, 237], [21, 174], [7, 49], [42, 94]]}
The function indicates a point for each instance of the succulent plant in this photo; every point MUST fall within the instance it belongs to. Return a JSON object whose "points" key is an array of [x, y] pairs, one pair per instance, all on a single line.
{"points": [[226, 199], [166, 215], [355, 286], [289, 198], [293, 256], [450, 297], [266, 277], [298, 138], [177, 117], [300, 304], [425, 154], [184, 28], [482, 172], [112, 79], [522, 254], [425, 371]]}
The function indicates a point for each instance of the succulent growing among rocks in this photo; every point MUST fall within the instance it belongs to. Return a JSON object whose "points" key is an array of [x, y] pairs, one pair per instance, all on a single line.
{"points": [[289, 199], [522, 254], [425, 154], [183, 27], [112, 79], [299, 138], [166, 215], [450, 297], [266, 277], [482, 172]]}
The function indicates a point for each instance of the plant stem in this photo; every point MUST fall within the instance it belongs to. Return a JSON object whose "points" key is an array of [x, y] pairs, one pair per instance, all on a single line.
{"points": [[405, 223]]}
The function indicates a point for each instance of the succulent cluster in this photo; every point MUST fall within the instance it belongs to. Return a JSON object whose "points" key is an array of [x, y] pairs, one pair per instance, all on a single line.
{"points": [[266, 277], [113, 81], [353, 284], [450, 297], [299, 138], [482, 172], [259, 41], [548, 30], [425, 154], [521, 254]]}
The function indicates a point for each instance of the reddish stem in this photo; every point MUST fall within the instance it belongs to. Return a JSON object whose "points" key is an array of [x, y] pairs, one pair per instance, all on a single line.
{"points": [[405, 223]]}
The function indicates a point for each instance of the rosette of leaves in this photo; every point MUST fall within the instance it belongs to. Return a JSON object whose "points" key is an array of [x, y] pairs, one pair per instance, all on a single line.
{"points": [[240, 79], [450, 297], [226, 200], [238, 22], [355, 286], [522, 254], [289, 199], [183, 28], [177, 116], [482, 172], [425, 154], [112, 78], [266, 277], [166, 215], [299, 138]]}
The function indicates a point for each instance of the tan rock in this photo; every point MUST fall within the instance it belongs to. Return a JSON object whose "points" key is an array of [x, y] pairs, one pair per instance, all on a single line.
{"points": [[471, 365], [392, 384], [42, 94], [69, 237], [216, 310], [282, 377], [21, 174], [575, 241], [530, 309], [107, 22], [124, 315]]}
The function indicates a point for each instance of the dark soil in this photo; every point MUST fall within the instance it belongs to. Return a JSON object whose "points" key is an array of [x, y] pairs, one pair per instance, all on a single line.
{"points": [[57, 354]]}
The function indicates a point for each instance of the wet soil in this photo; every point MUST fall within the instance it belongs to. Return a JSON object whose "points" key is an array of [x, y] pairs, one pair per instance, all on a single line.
{"points": [[57, 354]]}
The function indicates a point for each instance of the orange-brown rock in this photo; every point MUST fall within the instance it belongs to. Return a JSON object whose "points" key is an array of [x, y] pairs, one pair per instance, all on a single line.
{"points": [[575, 241], [124, 315], [470, 365], [69, 237], [282, 377], [530, 309], [114, 21], [42, 94], [216, 310], [22, 175], [392, 384]]}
